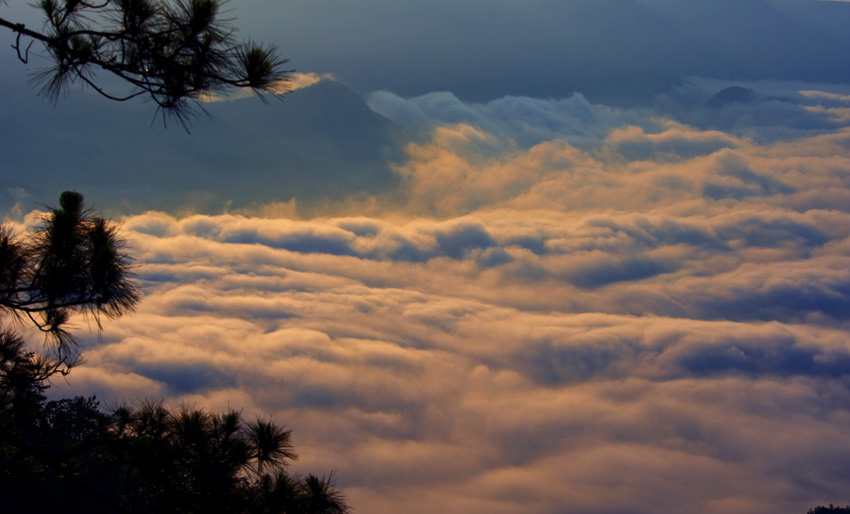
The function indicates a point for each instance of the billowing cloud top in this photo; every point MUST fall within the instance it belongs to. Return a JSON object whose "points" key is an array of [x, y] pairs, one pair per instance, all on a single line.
{"points": [[571, 308], [479, 290]]}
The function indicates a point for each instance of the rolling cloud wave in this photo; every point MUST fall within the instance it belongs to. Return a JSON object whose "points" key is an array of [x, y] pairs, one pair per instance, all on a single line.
{"points": [[654, 322]]}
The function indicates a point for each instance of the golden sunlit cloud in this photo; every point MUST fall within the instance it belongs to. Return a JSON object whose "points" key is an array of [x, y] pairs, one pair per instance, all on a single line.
{"points": [[302, 80], [293, 82], [823, 95], [623, 320]]}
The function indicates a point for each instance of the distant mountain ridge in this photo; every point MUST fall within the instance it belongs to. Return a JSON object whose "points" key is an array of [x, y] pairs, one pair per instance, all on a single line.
{"points": [[322, 141], [730, 95]]}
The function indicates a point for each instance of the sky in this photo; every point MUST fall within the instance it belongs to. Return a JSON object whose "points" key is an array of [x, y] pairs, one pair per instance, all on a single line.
{"points": [[499, 257]]}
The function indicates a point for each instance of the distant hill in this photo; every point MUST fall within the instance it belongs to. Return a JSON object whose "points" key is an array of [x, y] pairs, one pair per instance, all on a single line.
{"points": [[744, 95], [733, 94], [321, 141]]}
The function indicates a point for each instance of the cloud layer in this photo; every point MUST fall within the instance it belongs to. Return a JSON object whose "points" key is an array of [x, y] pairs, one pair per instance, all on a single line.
{"points": [[655, 322], [540, 305]]}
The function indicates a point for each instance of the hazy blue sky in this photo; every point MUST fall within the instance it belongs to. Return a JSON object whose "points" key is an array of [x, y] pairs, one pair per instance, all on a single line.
{"points": [[517, 258], [610, 49]]}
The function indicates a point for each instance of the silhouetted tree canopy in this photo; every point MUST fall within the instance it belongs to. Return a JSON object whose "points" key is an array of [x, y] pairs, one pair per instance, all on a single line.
{"points": [[832, 509], [145, 458], [72, 262], [68, 455], [171, 51]]}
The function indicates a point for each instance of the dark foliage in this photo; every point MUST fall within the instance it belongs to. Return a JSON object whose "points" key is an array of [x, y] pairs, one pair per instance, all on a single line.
{"points": [[171, 52], [830, 510], [143, 458], [68, 455], [72, 262]]}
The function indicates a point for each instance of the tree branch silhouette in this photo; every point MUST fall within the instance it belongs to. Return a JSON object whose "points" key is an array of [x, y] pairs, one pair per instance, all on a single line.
{"points": [[171, 52], [73, 261]]}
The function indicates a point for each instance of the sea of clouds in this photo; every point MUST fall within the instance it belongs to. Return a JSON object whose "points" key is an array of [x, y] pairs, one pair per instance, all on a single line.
{"points": [[564, 307]]}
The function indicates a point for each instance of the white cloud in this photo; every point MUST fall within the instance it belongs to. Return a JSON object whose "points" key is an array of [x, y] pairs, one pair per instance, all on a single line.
{"points": [[526, 120], [655, 322]]}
